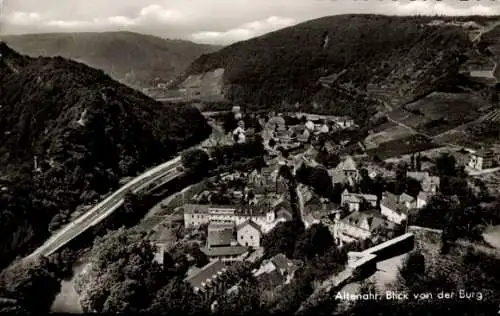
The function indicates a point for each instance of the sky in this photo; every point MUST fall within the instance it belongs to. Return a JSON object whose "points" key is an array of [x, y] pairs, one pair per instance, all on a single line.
{"points": [[220, 22]]}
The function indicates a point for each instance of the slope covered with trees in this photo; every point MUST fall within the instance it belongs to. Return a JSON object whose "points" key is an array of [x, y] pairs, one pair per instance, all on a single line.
{"points": [[331, 64], [135, 59], [68, 133]]}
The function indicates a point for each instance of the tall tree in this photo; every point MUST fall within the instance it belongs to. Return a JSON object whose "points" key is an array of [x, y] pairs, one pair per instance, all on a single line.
{"points": [[229, 122], [365, 184], [401, 176]]}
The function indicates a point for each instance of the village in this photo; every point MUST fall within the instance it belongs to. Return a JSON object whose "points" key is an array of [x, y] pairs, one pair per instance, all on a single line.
{"points": [[356, 198]]}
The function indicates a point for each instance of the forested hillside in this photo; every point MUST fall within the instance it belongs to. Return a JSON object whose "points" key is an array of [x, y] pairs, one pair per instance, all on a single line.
{"points": [[333, 64], [135, 59], [68, 133]]}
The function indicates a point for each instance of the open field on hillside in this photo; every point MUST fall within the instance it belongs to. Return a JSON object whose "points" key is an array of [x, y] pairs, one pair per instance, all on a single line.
{"points": [[439, 112], [390, 134], [401, 146], [474, 135], [491, 38]]}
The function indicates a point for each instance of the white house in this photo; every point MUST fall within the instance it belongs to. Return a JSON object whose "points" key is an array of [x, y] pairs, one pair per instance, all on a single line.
{"points": [[482, 159], [310, 125], [196, 215], [346, 172], [408, 200], [249, 234], [354, 200], [394, 208], [358, 226], [324, 129], [423, 198]]}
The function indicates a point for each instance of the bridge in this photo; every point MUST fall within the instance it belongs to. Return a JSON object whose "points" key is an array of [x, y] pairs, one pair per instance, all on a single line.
{"points": [[164, 173]]}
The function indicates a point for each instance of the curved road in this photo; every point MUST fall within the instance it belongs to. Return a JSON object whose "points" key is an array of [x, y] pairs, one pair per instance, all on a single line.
{"points": [[94, 215]]}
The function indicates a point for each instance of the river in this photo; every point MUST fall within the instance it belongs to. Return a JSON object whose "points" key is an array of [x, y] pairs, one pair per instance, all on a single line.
{"points": [[67, 301]]}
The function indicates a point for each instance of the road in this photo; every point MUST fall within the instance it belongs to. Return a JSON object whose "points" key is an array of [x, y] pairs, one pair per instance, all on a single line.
{"points": [[103, 209]]}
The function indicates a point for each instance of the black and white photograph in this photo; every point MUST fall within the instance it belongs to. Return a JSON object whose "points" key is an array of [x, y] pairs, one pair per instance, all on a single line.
{"points": [[250, 157]]}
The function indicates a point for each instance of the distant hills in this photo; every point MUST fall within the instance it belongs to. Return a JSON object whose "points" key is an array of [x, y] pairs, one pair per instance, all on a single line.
{"points": [[346, 64], [134, 59], [68, 133]]}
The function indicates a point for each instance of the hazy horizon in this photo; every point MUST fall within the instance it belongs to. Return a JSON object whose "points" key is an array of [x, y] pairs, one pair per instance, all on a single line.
{"points": [[219, 22]]}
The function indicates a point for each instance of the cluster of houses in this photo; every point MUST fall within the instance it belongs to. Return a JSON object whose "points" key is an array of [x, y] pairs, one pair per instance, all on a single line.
{"points": [[212, 280], [235, 230], [299, 134], [367, 214]]}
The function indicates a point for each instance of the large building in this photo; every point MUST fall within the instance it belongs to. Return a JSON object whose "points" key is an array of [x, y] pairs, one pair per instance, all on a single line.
{"points": [[196, 215], [209, 280], [395, 207], [482, 159], [358, 226], [354, 201], [249, 234], [346, 172]]}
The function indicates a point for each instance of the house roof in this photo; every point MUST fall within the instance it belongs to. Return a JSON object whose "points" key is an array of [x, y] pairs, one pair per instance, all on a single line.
{"points": [[347, 165], [195, 208], [429, 182], [419, 176], [208, 273], [284, 213], [224, 251], [220, 225], [358, 198], [219, 238], [220, 234], [250, 223], [485, 153], [394, 205], [372, 218], [403, 198], [352, 198], [424, 195], [222, 207]]}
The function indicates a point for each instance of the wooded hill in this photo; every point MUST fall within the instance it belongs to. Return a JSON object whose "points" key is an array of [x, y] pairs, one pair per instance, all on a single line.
{"points": [[86, 131]]}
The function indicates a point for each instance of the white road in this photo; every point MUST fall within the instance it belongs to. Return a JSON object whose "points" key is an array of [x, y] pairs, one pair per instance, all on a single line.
{"points": [[103, 209]]}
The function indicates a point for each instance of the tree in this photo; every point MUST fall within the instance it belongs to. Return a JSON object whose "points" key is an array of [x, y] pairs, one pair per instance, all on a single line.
{"points": [[196, 161], [285, 172], [413, 268], [177, 298], [321, 181], [313, 242], [446, 165], [229, 122], [244, 301], [401, 176], [281, 239], [418, 163], [133, 208], [272, 143], [365, 184], [302, 174], [122, 274], [33, 284], [413, 187]]}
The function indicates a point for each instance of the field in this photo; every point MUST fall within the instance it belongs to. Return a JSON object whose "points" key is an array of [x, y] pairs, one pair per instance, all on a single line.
{"points": [[472, 135], [389, 134], [440, 112], [401, 146]]}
